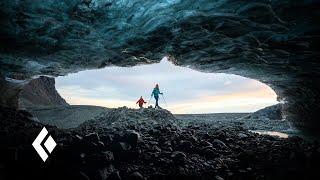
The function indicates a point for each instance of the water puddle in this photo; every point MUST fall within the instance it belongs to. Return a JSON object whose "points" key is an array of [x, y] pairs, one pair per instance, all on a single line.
{"points": [[271, 133], [184, 90]]}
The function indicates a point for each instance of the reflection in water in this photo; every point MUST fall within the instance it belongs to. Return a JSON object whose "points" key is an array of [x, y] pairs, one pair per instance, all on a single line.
{"points": [[185, 90], [271, 133]]}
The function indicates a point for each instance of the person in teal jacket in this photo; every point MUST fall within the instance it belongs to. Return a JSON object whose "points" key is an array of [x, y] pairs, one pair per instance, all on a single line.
{"points": [[155, 93]]}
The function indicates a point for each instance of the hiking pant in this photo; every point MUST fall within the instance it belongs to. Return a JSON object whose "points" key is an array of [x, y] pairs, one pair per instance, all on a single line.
{"points": [[157, 99]]}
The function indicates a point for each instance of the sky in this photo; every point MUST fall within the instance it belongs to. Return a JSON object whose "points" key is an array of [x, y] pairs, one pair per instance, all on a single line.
{"points": [[186, 91]]}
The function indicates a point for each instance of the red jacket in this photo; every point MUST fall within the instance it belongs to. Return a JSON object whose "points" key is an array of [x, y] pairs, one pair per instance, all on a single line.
{"points": [[140, 101]]}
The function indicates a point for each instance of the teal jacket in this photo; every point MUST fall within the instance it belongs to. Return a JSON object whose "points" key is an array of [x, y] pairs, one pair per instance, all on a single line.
{"points": [[155, 92]]}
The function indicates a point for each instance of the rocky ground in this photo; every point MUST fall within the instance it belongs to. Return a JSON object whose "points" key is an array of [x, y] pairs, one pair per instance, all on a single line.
{"points": [[152, 144], [73, 115]]}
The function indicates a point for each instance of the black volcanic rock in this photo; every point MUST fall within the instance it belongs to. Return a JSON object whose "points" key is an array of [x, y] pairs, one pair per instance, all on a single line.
{"points": [[91, 137], [136, 176], [114, 176], [178, 157], [76, 157], [132, 137]]}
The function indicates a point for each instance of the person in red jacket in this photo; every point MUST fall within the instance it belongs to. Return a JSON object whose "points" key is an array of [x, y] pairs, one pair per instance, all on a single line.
{"points": [[140, 102]]}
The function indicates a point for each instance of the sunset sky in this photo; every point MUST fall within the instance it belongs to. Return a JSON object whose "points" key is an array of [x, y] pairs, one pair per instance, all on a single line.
{"points": [[185, 90]]}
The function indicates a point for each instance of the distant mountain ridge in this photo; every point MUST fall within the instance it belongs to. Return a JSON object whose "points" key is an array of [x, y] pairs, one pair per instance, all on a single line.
{"points": [[39, 93]]}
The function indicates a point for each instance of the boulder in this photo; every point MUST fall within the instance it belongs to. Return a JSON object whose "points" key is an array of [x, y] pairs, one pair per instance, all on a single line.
{"points": [[91, 137], [178, 157], [136, 176], [132, 138]]}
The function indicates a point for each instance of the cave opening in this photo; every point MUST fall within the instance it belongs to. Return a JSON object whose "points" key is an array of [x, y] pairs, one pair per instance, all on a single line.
{"points": [[274, 42], [186, 91], [189, 94]]}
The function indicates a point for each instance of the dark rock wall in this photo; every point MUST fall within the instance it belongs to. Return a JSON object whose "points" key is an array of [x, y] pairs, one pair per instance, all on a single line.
{"points": [[9, 93], [271, 41]]}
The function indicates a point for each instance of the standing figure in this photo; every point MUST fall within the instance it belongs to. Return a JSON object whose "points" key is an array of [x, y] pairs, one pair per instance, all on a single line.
{"points": [[155, 93], [140, 102]]}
